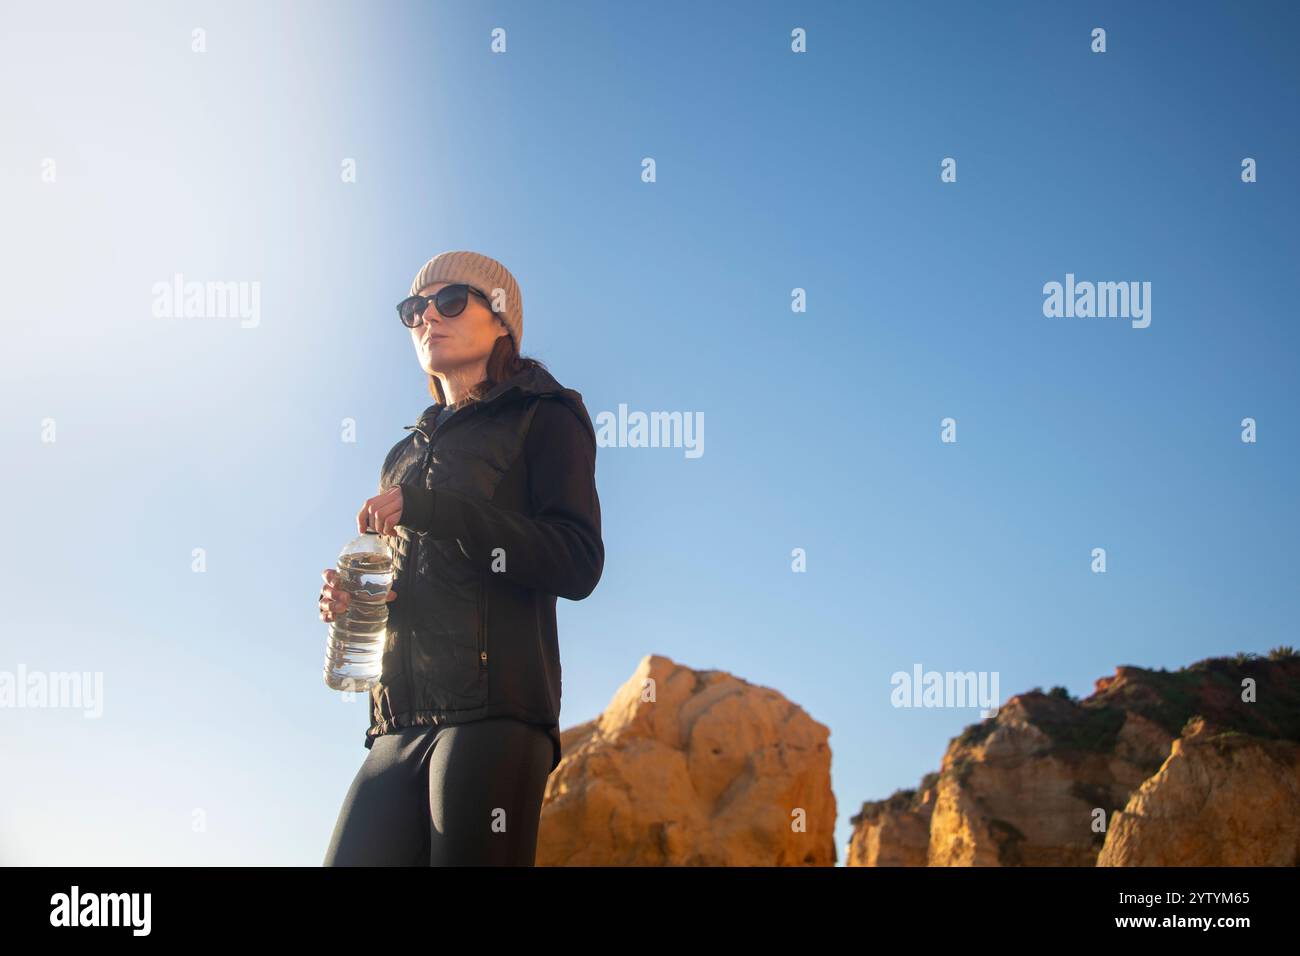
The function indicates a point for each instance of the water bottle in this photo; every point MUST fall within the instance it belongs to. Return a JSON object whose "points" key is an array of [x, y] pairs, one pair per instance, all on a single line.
{"points": [[354, 649]]}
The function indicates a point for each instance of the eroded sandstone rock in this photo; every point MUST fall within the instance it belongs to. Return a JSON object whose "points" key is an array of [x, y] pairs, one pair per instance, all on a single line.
{"points": [[1220, 799], [690, 767]]}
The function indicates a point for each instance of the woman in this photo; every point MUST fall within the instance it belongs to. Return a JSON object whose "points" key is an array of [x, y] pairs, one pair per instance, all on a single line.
{"points": [[490, 505]]}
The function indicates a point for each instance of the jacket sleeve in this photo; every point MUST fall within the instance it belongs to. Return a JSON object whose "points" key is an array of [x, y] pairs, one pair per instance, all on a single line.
{"points": [[559, 549]]}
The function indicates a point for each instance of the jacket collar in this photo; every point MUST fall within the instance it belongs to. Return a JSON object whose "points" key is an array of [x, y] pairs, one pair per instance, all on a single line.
{"points": [[530, 382]]}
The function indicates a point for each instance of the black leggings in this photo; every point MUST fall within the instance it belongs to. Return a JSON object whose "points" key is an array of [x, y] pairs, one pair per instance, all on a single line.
{"points": [[458, 795]]}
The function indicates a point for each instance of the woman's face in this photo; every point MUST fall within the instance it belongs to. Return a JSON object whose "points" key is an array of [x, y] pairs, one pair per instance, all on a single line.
{"points": [[448, 344]]}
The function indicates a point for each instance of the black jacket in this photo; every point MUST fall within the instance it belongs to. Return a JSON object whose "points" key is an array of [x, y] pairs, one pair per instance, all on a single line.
{"points": [[499, 517]]}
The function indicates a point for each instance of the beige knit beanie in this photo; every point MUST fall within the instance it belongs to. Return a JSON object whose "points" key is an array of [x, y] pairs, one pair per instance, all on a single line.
{"points": [[485, 273]]}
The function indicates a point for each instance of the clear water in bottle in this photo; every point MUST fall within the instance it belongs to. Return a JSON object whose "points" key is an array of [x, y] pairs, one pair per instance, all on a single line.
{"points": [[354, 648]]}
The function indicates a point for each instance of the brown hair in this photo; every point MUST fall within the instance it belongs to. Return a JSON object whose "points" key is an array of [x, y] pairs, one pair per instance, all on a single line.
{"points": [[503, 362]]}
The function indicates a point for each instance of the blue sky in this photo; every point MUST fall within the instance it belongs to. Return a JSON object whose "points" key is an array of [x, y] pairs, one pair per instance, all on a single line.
{"points": [[775, 171]]}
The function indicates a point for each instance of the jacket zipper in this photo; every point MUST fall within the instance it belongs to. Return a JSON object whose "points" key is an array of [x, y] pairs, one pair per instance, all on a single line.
{"points": [[482, 624], [414, 558]]}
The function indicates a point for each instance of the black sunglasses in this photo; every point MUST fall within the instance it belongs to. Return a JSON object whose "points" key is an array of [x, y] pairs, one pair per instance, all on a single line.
{"points": [[450, 302]]}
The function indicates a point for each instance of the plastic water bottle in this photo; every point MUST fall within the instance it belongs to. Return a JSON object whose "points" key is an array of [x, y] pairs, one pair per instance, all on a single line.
{"points": [[354, 649]]}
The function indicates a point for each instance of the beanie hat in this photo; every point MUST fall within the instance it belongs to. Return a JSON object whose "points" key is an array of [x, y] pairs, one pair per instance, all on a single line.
{"points": [[487, 275]]}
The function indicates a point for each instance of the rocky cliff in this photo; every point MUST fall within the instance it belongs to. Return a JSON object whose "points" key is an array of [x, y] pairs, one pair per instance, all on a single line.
{"points": [[1051, 780], [1240, 791]]}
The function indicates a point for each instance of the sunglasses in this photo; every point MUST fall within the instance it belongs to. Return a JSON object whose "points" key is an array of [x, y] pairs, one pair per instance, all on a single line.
{"points": [[450, 302]]}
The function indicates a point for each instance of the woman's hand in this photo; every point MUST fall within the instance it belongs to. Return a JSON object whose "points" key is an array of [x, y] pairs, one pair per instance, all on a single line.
{"points": [[334, 599], [382, 512]]}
